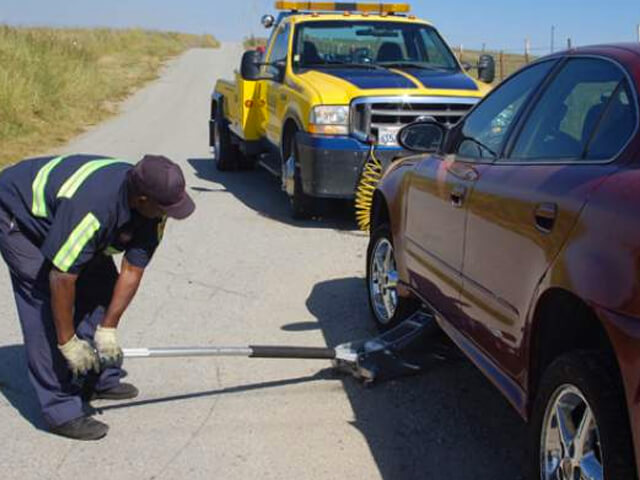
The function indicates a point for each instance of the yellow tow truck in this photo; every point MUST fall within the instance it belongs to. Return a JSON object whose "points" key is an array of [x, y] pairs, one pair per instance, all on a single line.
{"points": [[335, 79]]}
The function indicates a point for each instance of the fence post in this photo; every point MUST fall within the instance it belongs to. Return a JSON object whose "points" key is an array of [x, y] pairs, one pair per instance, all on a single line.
{"points": [[501, 65], [527, 48]]}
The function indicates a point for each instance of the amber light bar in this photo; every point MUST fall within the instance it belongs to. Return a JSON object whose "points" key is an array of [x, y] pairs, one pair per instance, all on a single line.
{"points": [[345, 7]]}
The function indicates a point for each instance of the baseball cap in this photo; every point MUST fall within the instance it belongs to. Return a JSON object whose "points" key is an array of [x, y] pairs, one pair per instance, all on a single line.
{"points": [[160, 179]]}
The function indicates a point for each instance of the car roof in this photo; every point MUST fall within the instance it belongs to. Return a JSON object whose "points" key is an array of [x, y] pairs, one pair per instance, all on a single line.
{"points": [[618, 51]]}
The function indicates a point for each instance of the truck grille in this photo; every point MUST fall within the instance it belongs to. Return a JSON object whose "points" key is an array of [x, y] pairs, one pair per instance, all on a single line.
{"points": [[370, 114]]}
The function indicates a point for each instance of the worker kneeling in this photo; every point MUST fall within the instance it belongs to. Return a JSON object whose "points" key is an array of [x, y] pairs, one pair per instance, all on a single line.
{"points": [[61, 219]]}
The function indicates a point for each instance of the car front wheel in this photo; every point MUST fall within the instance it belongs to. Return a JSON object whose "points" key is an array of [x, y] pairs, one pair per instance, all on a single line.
{"points": [[580, 422], [387, 307]]}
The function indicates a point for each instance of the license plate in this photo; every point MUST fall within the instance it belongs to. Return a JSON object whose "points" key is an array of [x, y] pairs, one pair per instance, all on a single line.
{"points": [[388, 136]]}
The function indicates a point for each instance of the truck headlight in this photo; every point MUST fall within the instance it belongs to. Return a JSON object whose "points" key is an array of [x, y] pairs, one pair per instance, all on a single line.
{"points": [[329, 120]]}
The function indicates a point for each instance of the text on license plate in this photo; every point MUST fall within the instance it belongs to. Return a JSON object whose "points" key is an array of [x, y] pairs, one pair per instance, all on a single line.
{"points": [[388, 136]]}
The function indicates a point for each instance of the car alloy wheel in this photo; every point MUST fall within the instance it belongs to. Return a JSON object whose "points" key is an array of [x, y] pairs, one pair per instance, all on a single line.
{"points": [[383, 281], [570, 440]]}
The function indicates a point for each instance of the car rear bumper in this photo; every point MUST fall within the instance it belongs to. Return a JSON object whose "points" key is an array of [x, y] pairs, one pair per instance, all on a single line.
{"points": [[331, 166], [624, 334]]}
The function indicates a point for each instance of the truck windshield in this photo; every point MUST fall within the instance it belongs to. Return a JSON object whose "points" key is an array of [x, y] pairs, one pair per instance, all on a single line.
{"points": [[361, 43]]}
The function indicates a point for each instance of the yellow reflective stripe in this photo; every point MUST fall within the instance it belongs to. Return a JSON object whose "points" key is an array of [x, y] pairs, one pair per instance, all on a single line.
{"points": [[109, 251], [80, 236], [39, 204], [74, 181]]}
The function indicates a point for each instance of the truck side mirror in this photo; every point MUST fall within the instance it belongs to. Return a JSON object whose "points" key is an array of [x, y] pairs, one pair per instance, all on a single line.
{"points": [[267, 21], [250, 65], [486, 68]]}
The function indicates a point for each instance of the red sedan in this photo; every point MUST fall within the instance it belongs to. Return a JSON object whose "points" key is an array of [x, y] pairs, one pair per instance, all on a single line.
{"points": [[519, 228]]}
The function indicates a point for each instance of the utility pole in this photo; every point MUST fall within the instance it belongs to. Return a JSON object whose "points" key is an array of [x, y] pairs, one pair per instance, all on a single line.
{"points": [[569, 43], [639, 32], [527, 50], [553, 36]]}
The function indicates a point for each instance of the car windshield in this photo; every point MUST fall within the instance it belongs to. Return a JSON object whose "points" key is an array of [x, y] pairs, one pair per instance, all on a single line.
{"points": [[382, 43]]}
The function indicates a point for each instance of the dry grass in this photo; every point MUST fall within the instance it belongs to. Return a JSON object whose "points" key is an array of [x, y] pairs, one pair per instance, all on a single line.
{"points": [[510, 62], [56, 82]]}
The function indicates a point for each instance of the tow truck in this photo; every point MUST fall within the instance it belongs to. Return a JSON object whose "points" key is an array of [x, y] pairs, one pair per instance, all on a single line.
{"points": [[334, 80]]}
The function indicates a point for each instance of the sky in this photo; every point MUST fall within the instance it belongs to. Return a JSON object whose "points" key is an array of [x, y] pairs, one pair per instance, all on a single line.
{"points": [[498, 24]]}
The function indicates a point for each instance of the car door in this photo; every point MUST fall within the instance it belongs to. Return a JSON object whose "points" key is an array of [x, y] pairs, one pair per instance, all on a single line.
{"points": [[524, 205], [438, 189], [275, 89]]}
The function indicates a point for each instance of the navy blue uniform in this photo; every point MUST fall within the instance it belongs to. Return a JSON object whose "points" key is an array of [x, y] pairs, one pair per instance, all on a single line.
{"points": [[71, 212]]}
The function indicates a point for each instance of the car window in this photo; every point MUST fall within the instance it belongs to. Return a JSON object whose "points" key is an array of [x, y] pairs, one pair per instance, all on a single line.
{"points": [[280, 46], [567, 114], [485, 129], [615, 127]]}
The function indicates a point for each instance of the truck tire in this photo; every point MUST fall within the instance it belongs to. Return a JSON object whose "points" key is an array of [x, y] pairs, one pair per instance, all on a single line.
{"points": [[301, 204], [577, 386], [388, 309], [248, 162], [227, 154]]}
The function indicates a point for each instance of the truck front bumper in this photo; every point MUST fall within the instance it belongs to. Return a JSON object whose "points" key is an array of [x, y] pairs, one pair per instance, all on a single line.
{"points": [[330, 167]]}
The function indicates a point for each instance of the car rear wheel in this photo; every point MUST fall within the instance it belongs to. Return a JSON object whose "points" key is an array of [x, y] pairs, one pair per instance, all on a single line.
{"points": [[387, 307], [580, 421], [226, 154]]}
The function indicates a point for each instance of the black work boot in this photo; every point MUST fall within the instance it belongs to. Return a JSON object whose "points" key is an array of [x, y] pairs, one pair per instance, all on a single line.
{"points": [[83, 428], [122, 391]]}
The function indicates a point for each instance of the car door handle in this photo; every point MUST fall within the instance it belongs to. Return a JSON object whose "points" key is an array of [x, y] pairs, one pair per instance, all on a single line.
{"points": [[545, 216], [457, 195]]}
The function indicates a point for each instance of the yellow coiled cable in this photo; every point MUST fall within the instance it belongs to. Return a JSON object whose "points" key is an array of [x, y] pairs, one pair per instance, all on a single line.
{"points": [[371, 175]]}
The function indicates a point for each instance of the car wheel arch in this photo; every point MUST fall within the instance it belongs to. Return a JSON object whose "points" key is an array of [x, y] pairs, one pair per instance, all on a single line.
{"points": [[558, 314], [290, 127], [379, 211]]}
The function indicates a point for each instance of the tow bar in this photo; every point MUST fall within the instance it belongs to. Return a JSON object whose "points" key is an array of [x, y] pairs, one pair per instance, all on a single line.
{"points": [[395, 353]]}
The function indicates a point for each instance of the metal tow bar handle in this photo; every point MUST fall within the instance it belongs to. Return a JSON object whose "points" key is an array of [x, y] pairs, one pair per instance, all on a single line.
{"points": [[404, 350], [252, 351]]}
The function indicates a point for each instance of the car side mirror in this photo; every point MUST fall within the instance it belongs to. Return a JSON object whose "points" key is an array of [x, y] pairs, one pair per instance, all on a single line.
{"points": [[422, 136], [486, 68], [250, 65]]}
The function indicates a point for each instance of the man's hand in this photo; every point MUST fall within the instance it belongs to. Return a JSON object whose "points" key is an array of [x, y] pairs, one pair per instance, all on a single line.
{"points": [[81, 356], [109, 351]]}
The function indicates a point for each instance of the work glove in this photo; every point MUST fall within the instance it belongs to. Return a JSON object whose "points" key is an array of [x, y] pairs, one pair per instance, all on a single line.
{"points": [[81, 356], [106, 341]]}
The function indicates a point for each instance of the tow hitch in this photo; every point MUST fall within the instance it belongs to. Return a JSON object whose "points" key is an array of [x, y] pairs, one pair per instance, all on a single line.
{"points": [[395, 353]]}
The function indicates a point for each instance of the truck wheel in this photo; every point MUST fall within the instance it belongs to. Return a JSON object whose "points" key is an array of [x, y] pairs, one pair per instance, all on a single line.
{"points": [[301, 203], [227, 154], [248, 162], [580, 423], [387, 307]]}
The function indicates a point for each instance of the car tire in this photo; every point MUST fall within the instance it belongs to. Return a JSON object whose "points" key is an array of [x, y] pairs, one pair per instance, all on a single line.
{"points": [[302, 205], [573, 385], [387, 308], [227, 154], [248, 162]]}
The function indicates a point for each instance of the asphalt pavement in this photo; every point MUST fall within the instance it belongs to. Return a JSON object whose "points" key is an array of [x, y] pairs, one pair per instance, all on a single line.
{"points": [[239, 272]]}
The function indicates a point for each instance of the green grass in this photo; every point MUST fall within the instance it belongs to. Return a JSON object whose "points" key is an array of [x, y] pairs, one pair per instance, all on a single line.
{"points": [[56, 82]]}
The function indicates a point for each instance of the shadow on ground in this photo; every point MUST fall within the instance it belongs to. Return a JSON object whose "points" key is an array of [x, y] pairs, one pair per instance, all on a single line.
{"points": [[15, 385], [260, 191], [447, 423]]}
